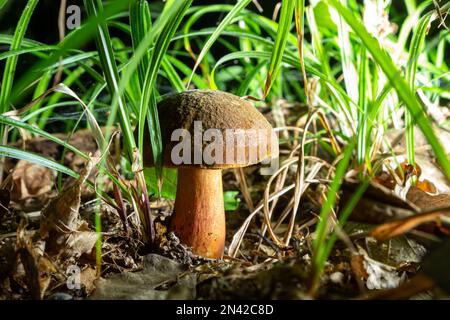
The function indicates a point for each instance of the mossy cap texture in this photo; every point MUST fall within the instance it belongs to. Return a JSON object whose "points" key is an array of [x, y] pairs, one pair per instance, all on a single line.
{"points": [[229, 114]]}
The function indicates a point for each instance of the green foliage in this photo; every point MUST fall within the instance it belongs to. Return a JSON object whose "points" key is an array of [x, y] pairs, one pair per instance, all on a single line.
{"points": [[231, 201]]}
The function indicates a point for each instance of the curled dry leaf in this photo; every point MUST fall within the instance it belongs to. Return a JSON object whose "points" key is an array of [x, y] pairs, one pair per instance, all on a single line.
{"points": [[31, 180], [377, 275], [424, 201], [80, 242], [436, 208], [38, 269], [60, 223], [87, 279], [426, 186], [394, 228], [377, 205]]}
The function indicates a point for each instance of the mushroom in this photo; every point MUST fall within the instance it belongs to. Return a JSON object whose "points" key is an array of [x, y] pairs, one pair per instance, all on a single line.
{"points": [[204, 132]]}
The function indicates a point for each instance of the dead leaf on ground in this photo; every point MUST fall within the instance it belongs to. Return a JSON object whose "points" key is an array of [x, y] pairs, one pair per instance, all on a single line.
{"points": [[31, 180], [377, 205], [60, 224], [37, 268], [397, 252], [87, 279], [427, 202], [159, 272], [416, 285], [377, 275], [80, 242]]}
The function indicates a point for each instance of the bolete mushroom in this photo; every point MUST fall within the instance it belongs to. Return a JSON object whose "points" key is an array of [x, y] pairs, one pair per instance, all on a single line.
{"points": [[203, 132]]}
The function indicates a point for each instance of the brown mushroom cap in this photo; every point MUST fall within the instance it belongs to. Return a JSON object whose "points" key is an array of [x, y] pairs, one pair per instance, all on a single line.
{"points": [[216, 110]]}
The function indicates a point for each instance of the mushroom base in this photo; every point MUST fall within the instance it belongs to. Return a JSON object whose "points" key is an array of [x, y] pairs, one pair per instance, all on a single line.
{"points": [[199, 218]]}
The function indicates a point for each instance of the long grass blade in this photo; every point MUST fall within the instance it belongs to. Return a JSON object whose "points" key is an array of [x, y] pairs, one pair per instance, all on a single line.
{"points": [[11, 62], [240, 5], [11, 152], [414, 53], [284, 25]]}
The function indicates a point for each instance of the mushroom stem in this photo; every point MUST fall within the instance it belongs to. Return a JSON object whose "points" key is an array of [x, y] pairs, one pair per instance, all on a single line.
{"points": [[199, 218]]}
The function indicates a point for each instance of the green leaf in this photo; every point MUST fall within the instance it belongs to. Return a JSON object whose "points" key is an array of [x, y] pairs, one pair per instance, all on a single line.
{"points": [[37, 159], [111, 73], [11, 62], [148, 107], [169, 182], [284, 26], [240, 5], [231, 201], [140, 22], [414, 53]]}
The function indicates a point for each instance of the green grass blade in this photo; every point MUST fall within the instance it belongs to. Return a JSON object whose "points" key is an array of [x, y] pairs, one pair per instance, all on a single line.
{"points": [[240, 5], [111, 73], [140, 22], [37, 159], [362, 112], [148, 100], [414, 53], [75, 39], [11, 62], [20, 124], [287, 12], [396, 79], [320, 255], [172, 75]]}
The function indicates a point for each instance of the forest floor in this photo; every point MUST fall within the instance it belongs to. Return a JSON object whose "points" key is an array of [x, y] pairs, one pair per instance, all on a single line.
{"points": [[48, 238]]}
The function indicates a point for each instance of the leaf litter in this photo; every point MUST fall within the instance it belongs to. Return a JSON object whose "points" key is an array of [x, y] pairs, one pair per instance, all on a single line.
{"points": [[43, 237]]}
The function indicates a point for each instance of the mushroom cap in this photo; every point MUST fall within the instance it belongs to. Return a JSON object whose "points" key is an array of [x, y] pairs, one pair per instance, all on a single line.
{"points": [[234, 127]]}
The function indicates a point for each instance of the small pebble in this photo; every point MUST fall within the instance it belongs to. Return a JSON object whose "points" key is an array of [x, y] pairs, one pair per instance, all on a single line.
{"points": [[60, 296], [337, 277]]}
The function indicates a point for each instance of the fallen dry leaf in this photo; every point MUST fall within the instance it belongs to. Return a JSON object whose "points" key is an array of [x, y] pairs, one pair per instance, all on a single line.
{"points": [[406, 290], [426, 201], [426, 186], [394, 228], [80, 242], [435, 206], [60, 224], [87, 278], [377, 205], [38, 269], [158, 273], [377, 275], [385, 179], [31, 180]]}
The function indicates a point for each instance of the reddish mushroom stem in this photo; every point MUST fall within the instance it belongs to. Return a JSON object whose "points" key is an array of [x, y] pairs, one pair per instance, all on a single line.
{"points": [[199, 218]]}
